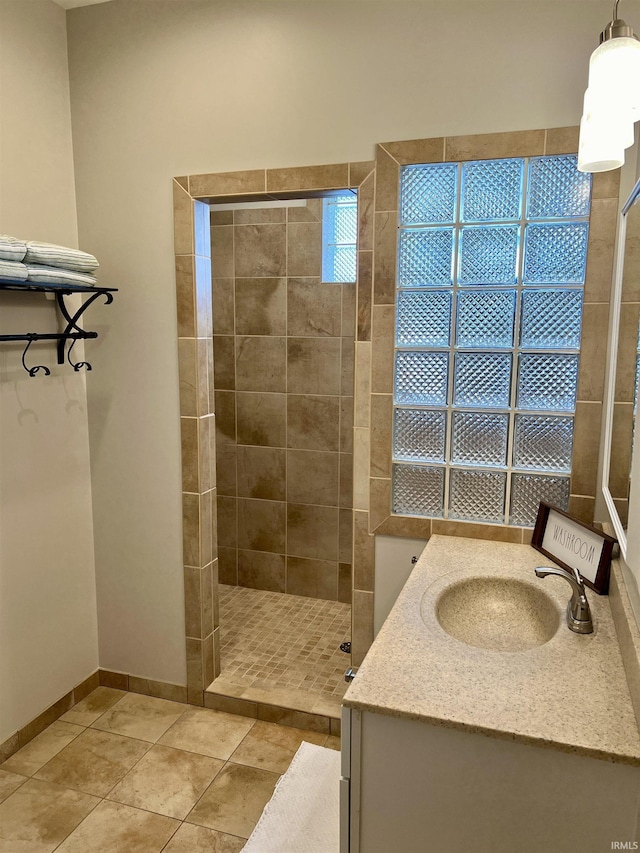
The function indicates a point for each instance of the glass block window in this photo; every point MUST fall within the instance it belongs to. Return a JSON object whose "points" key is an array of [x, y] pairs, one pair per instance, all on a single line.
{"points": [[339, 237], [491, 268]]}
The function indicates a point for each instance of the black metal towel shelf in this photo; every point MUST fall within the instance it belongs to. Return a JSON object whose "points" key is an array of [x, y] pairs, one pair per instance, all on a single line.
{"points": [[72, 331]]}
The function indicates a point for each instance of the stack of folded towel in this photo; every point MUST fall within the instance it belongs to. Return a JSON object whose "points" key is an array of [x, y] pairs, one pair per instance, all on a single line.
{"points": [[44, 263]]}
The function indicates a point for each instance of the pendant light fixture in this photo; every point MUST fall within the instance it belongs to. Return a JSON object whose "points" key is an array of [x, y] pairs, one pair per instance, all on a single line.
{"points": [[612, 99]]}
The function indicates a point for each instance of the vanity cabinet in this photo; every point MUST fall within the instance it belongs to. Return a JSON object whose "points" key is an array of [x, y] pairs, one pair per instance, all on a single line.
{"points": [[421, 788], [452, 748]]}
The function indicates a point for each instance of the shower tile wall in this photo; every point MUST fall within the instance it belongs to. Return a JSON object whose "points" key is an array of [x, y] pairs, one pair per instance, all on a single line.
{"points": [[283, 357]]}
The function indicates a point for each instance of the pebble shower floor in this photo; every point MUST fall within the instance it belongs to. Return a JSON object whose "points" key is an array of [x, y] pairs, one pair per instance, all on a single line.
{"points": [[291, 641]]}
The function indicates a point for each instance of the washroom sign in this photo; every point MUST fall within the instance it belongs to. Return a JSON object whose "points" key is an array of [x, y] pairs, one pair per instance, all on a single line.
{"points": [[574, 545]]}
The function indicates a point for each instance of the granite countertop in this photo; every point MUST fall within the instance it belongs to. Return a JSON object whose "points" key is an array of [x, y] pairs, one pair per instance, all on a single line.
{"points": [[569, 694]]}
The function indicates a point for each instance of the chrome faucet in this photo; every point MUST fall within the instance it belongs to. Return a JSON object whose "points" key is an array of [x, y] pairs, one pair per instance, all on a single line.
{"points": [[578, 610]]}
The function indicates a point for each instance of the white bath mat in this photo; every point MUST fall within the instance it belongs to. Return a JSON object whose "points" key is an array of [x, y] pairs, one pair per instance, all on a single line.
{"points": [[303, 815]]}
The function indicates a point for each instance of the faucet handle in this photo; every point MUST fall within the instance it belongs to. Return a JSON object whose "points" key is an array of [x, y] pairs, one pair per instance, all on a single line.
{"points": [[578, 610]]}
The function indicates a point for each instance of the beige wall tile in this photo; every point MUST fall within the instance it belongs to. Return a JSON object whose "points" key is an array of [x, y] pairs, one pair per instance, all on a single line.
{"points": [[366, 207], [346, 480], [204, 326], [191, 529], [262, 419], [115, 680], [261, 525], [182, 221], [304, 249], [195, 674], [358, 172], [344, 583], [189, 440], [562, 140], [220, 217], [333, 176], [261, 472], [222, 298], [206, 524], [586, 442], [227, 183], [260, 250], [211, 389], [381, 429], [493, 532], [185, 296], [85, 688], [188, 376], [261, 306], [183, 180], [206, 600], [260, 363], [312, 531], [313, 422], [204, 363], [347, 367], [387, 178], [309, 213], [192, 602], [487, 146], [313, 578], [621, 438], [626, 361], [595, 318], [313, 309], [228, 565], [363, 553], [386, 243], [417, 150], [631, 271], [258, 215], [298, 719], [604, 213], [361, 463], [261, 570], [346, 424], [406, 526], [606, 184], [205, 426], [226, 455], [222, 257], [345, 536], [224, 366], [230, 705], [379, 501], [225, 406], [362, 625], [313, 477], [365, 295], [158, 689], [313, 366], [582, 508], [382, 353], [348, 325], [227, 514], [362, 406]]}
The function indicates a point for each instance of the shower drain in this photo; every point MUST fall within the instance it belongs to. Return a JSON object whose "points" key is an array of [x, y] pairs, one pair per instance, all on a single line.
{"points": [[346, 647]]}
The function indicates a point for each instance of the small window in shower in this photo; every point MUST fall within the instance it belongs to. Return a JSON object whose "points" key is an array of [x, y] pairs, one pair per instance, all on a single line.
{"points": [[339, 237]]}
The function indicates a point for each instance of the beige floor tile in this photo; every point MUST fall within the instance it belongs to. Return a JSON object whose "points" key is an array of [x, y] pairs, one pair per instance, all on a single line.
{"points": [[167, 781], [42, 748], [333, 742], [9, 782], [94, 762], [142, 717], [38, 816], [212, 733], [93, 706], [234, 801], [199, 839], [114, 828], [272, 747]]}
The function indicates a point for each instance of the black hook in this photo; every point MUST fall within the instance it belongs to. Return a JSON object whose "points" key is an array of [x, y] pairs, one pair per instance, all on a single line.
{"points": [[78, 364], [33, 370]]}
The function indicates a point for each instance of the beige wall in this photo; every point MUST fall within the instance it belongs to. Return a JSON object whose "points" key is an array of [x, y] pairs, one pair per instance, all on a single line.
{"points": [[172, 88], [48, 633]]}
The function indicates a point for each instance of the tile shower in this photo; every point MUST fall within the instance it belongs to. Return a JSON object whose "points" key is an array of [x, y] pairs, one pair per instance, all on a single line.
{"points": [[283, 373]]}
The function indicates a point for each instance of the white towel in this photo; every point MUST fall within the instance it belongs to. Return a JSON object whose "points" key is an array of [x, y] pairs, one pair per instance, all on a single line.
{"points": [[12, 249], [55, 275], [50, 255], [12, 271]]}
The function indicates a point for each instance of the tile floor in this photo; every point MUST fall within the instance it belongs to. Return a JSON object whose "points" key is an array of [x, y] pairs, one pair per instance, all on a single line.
{"points": [[271, 639], [125, 773]]}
